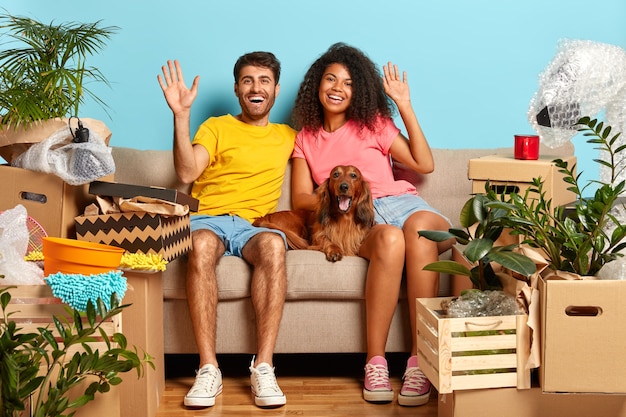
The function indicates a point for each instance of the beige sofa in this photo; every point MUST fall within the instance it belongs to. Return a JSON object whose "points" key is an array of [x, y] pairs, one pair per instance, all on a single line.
{"points": [[324, 310]]}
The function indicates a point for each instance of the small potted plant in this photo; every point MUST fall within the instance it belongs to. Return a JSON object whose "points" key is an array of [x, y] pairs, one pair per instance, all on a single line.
{"points": [[44, 74], [486, 249], [449, 328], [43, 78], [482, 225]]}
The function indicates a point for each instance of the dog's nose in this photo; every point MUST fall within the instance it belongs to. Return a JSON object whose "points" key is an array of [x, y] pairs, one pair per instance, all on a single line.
{"points": [[343, 187]]}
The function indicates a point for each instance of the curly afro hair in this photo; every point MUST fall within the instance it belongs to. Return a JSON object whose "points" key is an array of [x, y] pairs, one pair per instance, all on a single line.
{"points": [[368, 95]]}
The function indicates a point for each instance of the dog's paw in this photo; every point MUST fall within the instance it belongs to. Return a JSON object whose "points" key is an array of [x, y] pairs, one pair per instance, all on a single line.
{"points": [[333, 254]]}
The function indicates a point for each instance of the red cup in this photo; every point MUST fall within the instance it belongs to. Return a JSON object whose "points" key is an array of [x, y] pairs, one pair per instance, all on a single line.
{"points": [[526, 147]]}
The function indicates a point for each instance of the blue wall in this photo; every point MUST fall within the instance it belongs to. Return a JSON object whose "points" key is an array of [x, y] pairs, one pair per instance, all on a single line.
{"points": [[473, 66]]}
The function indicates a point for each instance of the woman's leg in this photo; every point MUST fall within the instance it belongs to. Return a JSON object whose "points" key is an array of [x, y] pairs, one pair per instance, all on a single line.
{"points": [[420, 252], [384, 248]]}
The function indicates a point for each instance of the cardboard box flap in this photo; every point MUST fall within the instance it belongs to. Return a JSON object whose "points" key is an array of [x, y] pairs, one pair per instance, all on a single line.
{"points": [[113, 189], [507, 168]]}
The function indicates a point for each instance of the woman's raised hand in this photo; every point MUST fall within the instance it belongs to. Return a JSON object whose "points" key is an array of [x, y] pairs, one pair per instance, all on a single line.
{"points": [[396, 88]]}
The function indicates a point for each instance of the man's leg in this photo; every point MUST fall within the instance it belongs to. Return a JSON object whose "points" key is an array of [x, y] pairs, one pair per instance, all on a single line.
{"points": [[202, 300], [266, 253]]}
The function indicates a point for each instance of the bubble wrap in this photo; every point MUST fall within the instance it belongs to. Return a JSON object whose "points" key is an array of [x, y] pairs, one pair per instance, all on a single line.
{"points": [[75, 163], [583, 79], [13, 246], [483, 304]]}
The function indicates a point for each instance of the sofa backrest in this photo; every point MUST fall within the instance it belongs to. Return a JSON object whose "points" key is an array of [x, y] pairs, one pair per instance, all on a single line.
{"points": [[446, 189]]}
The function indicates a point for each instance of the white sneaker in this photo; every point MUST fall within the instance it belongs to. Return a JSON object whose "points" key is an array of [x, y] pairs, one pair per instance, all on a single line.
{"points": [[207, 386], [265, 389]]}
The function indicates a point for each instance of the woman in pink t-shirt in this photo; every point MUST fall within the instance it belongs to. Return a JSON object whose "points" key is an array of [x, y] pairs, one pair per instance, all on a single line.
{"points": [[344, 114]]}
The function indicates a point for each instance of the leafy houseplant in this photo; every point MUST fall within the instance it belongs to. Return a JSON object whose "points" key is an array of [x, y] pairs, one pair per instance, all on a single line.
{"points": [[481, 247], [43, 73], [36, 367], [591, 236]]}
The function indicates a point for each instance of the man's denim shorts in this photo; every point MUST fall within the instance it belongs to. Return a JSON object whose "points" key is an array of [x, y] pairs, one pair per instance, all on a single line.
{"points": [[233, 231]]}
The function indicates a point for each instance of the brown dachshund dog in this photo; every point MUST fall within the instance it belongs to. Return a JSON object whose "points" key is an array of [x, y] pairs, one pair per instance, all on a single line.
{"points": [[343, 216]]}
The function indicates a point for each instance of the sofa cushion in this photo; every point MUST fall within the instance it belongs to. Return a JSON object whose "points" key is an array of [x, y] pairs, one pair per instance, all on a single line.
{"points": [[309, 277]]}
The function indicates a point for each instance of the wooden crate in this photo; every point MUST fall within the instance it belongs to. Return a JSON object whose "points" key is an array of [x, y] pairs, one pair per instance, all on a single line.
{"points": [[471, 353], [31, 307]]}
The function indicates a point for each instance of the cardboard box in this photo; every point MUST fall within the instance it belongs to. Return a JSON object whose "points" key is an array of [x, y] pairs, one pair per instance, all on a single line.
{"points": [[47, 198], [138, 232], [583, 336], [499, 402], [507, 174], [113, 189], [14, 142], [32, 306], [471, 353], [143, 328]]}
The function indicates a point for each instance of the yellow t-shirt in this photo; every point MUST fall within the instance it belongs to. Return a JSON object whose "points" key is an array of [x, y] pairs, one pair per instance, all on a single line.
{"points": [[246, 167]]}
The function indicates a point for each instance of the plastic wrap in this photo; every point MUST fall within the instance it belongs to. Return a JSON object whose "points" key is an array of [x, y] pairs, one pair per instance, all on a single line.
{"points": [[583, 79], [13, 245], [483, 304], [76, 163]]}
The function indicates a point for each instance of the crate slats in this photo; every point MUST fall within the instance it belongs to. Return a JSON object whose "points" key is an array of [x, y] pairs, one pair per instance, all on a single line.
{"points": [[471, 353]]}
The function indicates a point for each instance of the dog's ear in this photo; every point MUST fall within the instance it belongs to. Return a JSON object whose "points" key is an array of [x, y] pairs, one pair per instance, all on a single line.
{"points": [[322, 211], [364, 206]]}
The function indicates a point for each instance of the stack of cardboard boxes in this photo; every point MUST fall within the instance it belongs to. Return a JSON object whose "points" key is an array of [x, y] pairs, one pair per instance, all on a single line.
{"points": [[58, 207], [47, 198]]}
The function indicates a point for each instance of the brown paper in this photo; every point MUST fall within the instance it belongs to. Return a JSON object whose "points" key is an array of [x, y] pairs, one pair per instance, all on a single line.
{"points": [[151, 205], [111, 205], [562, 275], [527, 294], [107, 205]]}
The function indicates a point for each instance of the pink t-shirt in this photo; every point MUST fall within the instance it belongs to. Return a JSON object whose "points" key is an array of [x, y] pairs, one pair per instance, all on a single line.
{"points": [[368, 151]]}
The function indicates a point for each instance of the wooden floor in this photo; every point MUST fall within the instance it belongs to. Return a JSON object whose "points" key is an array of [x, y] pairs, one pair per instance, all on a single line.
{"points": [[315, 385]]}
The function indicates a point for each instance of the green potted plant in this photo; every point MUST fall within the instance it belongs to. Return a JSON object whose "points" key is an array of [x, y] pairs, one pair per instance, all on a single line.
{"points": [[482, 224], [585, 236], [443, 326], [44, 68], [38, 370], [578, 242], [43, 78]]}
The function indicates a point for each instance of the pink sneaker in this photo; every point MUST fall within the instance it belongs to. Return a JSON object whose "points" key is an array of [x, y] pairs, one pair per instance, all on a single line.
{"points": [[376, 386], [415, 386]]}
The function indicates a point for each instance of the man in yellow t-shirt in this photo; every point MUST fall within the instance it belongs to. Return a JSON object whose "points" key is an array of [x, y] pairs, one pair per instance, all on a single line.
{"points": [[237, 166]]}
